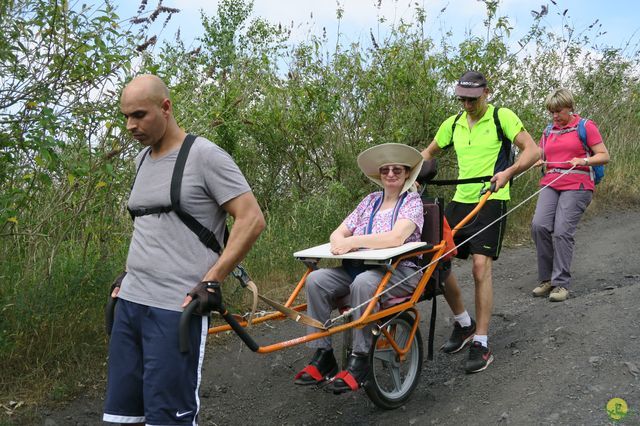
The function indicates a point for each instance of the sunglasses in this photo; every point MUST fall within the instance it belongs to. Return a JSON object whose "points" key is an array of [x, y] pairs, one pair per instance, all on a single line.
{"points": [[396, 170], [465, 99]]}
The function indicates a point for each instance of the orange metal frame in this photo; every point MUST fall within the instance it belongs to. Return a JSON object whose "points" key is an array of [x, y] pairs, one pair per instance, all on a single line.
{"points": [[369, 315]]}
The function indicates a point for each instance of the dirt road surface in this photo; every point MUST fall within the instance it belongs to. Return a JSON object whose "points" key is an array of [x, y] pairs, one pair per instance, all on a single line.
{"points": [[555, 363]]}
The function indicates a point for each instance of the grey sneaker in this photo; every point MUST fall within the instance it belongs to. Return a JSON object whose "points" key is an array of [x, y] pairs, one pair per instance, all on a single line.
{"points": [[559, 294], [459, 337], [543, 289], [479, 358]]}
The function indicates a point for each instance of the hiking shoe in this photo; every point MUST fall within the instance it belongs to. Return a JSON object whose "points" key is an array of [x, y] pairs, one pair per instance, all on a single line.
{"points": [[479, 358], [322, 366], [543, 289], [559, 294], [459, 337]]}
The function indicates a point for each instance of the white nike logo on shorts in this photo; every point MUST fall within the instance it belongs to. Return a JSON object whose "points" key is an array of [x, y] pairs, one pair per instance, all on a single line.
{"points": [[179, 414]]}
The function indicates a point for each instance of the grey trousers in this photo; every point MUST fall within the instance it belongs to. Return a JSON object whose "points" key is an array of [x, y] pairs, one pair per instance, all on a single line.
{"points": [[553, 228], [325, 287]]}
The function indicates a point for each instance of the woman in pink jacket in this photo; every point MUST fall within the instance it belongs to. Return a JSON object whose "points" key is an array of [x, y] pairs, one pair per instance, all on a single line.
{"points": [[570, 147]]}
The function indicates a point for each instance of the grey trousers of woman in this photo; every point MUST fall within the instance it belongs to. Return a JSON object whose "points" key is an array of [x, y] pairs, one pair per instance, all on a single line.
{"points": [[327, 286], [553, 228]]}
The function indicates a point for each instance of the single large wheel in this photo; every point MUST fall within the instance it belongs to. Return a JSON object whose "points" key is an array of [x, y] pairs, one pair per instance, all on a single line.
{"points": [[391, 379]]}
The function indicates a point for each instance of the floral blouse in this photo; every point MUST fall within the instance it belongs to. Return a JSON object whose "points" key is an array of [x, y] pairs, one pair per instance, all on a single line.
{"points": [[358, 221]]}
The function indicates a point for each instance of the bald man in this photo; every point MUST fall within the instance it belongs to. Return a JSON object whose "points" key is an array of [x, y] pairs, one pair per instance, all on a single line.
{"points": [[149, 380]]}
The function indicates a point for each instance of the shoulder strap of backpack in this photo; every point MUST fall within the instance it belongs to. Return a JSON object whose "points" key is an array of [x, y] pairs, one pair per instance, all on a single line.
{"points": [[545, 136], [582, 134], [496, 121], [505, 149], [453, 129], [207, 237], [506, 143]]}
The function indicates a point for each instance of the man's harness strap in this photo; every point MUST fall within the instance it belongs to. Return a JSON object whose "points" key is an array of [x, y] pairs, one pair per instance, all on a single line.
{"points": [[207, 237]]}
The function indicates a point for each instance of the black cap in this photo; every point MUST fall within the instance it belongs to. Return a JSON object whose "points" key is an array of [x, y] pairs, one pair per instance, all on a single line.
{"points": [[471, 85]]}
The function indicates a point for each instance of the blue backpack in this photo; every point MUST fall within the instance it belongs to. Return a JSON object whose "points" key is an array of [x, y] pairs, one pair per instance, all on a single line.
{"points": [[597, 171]]}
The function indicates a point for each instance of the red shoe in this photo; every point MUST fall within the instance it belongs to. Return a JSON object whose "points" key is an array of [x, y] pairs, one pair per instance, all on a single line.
{"points": [[322, 367], [353, 377]]}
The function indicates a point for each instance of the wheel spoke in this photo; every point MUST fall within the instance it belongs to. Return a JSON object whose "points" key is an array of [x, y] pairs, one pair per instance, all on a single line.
{"points": [[396, 377], [385, 355], [402, 336]]}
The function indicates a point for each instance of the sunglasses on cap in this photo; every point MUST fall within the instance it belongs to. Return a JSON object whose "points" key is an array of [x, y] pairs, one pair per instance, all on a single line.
{"points": [[396, 170]]}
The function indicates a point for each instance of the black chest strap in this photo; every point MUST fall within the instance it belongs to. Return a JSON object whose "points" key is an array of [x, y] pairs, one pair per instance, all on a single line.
{"points": [[206, 236]]}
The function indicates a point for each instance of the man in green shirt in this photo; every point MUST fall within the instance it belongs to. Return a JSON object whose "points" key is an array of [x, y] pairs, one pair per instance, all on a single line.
{"points": [[474, 134]]}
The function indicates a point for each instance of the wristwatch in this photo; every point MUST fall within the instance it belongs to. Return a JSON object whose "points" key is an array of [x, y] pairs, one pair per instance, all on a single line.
{"points": [[211, 286], [586, 161]]}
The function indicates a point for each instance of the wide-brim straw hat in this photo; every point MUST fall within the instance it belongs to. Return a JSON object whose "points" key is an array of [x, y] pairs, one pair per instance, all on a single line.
{"points": [[371, 159]]}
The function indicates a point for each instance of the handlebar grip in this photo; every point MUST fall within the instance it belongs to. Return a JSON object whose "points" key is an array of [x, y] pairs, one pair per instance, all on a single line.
{"points": [[183, 333], [216, 305], [240, 331], [492, 188], [109, 314]]}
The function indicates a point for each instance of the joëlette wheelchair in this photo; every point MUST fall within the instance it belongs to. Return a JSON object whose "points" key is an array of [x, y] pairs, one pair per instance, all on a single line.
{"points": [[396, 353]]}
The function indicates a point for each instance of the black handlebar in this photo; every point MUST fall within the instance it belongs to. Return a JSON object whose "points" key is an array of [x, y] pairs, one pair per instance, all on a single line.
{"points": [[183, 336], [215, 304], [240, 331], [109, 314]]}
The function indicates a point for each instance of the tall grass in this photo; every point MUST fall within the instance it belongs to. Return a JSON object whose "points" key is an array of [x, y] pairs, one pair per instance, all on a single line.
{"points": [[50, 333]]}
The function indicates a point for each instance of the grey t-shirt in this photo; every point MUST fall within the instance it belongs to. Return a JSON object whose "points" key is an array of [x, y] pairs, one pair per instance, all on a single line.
{"points": [[166, 259]]}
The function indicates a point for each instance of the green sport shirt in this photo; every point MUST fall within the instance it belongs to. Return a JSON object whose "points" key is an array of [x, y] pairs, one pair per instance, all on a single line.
{"points": [[477, 149]]}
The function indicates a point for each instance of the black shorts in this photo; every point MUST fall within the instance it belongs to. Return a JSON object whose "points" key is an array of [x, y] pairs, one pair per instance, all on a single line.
{"points": [[489, 241]]}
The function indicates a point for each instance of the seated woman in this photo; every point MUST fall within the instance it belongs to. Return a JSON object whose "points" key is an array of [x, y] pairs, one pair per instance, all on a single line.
{"points": [[383, 219]]}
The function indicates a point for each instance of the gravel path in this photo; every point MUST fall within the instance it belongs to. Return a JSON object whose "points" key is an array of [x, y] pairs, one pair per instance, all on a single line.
{"points": [[555, 363]]}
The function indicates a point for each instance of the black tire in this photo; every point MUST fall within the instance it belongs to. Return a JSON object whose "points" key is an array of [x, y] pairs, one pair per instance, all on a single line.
{"points": [[391, 381]]}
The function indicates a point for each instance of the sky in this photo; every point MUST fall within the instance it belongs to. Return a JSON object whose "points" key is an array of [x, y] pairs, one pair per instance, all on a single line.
{"points": [[619, 18]]}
